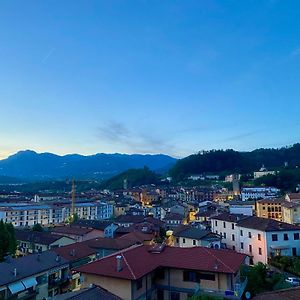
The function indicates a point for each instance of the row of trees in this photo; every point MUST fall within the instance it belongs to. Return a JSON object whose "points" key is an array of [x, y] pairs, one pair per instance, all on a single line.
{"points": [[230, 161], [8, 243]]}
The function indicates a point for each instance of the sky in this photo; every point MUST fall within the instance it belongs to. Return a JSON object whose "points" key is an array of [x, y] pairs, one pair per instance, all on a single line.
{"points": [[172, 77]]}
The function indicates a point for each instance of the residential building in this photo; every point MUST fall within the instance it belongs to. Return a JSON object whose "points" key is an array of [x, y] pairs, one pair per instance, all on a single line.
{"points": [[91, 293], [105, 211], [173, 220], [36, 242], [31, 214], [256, 193], [242, 207], [270, 208], [79, 234], [108, 228], [120, 209], [260, 238], [186, 236], [291, 212], [36, 276], [85, 252], [158, 272]]}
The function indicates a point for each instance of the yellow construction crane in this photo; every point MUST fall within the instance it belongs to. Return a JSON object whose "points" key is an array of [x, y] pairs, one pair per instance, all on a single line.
{"points": [[73, 199]]}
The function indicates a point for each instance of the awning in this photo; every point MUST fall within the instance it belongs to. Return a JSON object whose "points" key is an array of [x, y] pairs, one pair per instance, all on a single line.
{"points": [[16, 287], [279, 247], [29, 282]]}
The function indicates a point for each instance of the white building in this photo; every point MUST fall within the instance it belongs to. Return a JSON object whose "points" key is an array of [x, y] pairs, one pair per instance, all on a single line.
{"points": [[260, 238], [255, 193], [263, 172], [29, 214], [104, 211], [242, 207]]}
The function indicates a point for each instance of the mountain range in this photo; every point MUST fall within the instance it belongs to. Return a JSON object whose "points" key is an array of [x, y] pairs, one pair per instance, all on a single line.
{"points": [[29, 165]]}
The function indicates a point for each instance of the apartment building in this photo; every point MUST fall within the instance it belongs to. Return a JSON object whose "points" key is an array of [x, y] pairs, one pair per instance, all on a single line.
{"points": [[270, 208], [36, 276], [31, 214], [105, 211], [260, 238], [159, 272], [256, 193]]}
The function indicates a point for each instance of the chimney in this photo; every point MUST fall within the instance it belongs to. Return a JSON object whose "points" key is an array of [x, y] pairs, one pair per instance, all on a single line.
{"points": [[119, 263], [15, 272]]}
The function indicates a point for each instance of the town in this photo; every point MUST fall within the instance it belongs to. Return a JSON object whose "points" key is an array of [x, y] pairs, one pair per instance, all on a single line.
{"points": [[149, 150], [207, 236]]}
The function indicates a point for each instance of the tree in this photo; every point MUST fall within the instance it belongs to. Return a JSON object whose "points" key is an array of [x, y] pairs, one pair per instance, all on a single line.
{"points": [[256, 278], [8, 243], [12, 247], [37, 227]]}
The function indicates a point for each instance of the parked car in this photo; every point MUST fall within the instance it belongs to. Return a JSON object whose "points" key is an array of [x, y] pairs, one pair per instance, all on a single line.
{"points": [[293, 281]]}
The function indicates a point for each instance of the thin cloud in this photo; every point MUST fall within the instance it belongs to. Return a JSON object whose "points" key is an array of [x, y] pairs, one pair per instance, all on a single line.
{"points": [[134, 141], [50, 52], [240, 136]]}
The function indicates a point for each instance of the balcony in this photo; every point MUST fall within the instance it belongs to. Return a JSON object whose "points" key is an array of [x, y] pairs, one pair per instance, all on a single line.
{"points": [[59, 281]]}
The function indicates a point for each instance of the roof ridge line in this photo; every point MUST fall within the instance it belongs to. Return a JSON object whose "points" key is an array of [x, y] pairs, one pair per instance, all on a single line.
{"points": [[129, 268], [206, 249], [121, 251]]}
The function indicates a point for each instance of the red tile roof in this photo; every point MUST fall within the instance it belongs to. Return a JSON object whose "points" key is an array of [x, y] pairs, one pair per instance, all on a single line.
{"points": [[71, 230], [138, 261], [75, 251], [137, 237]]}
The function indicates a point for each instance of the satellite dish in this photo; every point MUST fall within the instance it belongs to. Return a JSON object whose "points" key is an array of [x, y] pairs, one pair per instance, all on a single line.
{"points": [[247, 295]]}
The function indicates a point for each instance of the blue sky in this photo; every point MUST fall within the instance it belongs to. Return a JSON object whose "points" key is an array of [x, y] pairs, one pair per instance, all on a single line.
{"points": [[170, 77]]}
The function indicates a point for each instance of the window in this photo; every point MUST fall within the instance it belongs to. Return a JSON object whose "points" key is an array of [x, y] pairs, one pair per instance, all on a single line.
{"points": [[190, 276], [177, 240], [242, 246], [250, 248], [224, 224], [232, 226], [139, 283], [232, 237], [296, 236], [249, 235], [259, 237], [206, 276], [216, 223], [285, 237], [183, 240], [274, 237], [233, 248], [224, 235], [196, 276], [175, 296], [194, 242], [159, 273], [259, 251], [241, 232]]}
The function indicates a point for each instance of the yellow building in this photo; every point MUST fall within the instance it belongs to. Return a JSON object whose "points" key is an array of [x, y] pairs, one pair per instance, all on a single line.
{"points": [[291, 212], [159, 272], [120, 209], [270, 208]]}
